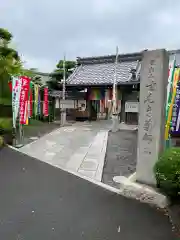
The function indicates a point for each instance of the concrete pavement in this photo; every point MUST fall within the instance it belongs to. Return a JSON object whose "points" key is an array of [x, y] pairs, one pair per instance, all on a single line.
{"points": [[79, 148], [39, 201]]}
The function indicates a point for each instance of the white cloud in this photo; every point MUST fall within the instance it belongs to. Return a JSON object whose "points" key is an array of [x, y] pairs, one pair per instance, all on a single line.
{"points": [[44, 30], [40, 64]]}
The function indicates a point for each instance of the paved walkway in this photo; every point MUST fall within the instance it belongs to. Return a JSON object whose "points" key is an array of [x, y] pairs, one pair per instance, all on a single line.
{"points": [[79, 148], [39, 201]]}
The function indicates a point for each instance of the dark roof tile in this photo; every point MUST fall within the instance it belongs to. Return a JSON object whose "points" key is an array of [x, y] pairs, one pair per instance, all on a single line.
{"points": [[102, 73], [100, 70]]}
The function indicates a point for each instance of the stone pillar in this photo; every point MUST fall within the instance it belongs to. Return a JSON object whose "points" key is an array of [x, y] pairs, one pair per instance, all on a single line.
{"points": [[115, 123], [154, 79]]}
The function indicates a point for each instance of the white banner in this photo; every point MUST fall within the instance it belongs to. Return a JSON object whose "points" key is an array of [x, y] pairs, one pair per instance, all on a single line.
{"points": [[16, 89]]}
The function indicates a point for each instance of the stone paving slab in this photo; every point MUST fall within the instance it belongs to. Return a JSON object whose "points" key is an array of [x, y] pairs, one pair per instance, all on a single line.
{"points": [[94, 159], [73, 148]]}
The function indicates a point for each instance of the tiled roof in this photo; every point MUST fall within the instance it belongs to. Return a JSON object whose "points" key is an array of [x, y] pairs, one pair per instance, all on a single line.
{"points": [[100, 70]]}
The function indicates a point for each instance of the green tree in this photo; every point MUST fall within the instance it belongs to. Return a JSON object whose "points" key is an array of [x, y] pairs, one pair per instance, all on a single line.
{"points": [[69, 67], [37, 80], [10, 63], [58, 74]]}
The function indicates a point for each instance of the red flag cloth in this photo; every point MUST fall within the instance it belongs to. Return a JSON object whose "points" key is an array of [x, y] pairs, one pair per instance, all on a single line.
{"points": [[24, 99], [45, 102], [10, 85]]}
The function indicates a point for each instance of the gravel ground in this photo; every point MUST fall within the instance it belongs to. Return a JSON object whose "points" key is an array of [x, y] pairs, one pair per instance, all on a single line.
{"points": [[120, 157], [174, 215], [121, 160]]}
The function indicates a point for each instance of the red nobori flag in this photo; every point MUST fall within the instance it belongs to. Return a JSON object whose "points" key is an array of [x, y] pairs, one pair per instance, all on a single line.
{"points": [[45, 103], [24, 99], [10, 85]]}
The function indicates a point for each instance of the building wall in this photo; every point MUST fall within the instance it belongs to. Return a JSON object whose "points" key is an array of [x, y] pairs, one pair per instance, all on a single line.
{"points": [[132, 96], [69, 104]]}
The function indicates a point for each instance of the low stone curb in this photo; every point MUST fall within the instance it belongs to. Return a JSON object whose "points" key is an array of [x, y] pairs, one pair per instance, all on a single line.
{"points": [[141, 192]]}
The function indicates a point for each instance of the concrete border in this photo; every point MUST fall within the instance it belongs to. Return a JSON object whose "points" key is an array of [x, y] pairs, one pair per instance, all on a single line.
{"points": [[146, 194], [132, 177], [99, 171]]}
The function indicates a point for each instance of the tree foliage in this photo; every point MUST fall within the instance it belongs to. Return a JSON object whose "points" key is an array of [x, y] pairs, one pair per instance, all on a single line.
{"points": [[5, 35], [10, 63], [58, 74], [69, 67], [37, 80]]}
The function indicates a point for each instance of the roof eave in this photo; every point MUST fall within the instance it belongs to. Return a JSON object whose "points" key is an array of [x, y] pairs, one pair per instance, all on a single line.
{"points": [[103, 84]]}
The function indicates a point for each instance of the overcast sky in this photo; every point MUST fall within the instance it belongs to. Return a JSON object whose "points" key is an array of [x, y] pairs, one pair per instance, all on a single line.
{"points": [[44, 30]]}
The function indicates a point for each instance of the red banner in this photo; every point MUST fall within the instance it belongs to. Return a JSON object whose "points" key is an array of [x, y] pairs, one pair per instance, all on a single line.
{"points": [[24, 99], [10, 85], [45, 102]]}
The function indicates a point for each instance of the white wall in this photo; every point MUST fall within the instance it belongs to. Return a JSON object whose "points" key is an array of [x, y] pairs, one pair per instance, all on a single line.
{"points": [[65, 103]]}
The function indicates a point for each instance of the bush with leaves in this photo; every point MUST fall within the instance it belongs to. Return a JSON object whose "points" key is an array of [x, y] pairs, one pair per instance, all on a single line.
{"points": [[1, 141], [5, 125], [167, 172]]}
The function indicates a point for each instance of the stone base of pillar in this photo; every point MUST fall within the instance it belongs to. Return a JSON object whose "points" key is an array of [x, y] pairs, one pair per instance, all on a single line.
{"points": [[115, 123], [63, 118]]}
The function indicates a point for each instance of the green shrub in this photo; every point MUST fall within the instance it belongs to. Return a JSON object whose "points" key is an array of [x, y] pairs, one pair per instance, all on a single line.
{"points": [[1, 141], [6, 124], [167, 172]]}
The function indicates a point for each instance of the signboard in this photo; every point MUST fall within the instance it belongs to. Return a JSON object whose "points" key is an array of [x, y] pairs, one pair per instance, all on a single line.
{"points": [[132, 107]]}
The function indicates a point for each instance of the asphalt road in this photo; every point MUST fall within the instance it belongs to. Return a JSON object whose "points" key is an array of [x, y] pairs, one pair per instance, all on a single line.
{"points": [[40, 202]]}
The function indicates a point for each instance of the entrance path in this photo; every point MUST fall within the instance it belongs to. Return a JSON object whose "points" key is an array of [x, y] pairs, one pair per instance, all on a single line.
{"points": [[40, 202], [80, 148]]}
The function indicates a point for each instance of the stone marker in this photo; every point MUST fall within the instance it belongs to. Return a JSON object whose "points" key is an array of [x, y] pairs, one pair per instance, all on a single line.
{"points": [[154, 79]]}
